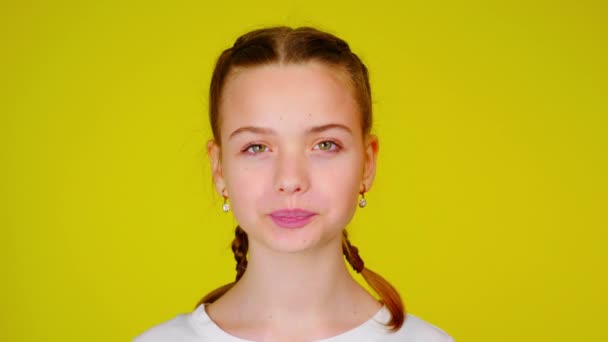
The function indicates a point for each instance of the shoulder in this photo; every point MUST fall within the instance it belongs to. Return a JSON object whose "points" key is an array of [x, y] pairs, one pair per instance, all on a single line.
{"points": [[176, 329], [195, 326], [416, 329]]}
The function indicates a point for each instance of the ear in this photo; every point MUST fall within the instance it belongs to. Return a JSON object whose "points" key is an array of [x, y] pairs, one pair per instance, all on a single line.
{"points": [[214, 154], [370, 156]]}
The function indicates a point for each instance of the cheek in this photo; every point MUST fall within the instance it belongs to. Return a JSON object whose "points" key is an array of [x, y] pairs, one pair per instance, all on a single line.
{"points": [[339, 182], [245, 184], [338, 179]]}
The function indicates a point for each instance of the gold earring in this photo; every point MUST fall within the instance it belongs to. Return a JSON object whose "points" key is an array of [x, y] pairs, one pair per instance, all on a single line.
{"points": [[362, 201], [225, 206]]}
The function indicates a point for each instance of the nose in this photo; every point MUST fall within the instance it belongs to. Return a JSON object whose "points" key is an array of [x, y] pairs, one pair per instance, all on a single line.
{"points": [[291, 174]]}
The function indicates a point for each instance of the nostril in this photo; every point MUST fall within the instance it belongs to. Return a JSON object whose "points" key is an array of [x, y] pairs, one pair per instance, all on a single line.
{"points": [[287, 189]]}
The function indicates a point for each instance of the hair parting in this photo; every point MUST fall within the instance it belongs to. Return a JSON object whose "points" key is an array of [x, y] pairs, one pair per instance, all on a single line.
{"points": [[285, 45]]}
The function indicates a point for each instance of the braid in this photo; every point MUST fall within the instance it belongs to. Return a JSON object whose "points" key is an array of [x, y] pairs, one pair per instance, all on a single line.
{"points": [[388, 294], [352, 254], [240, 246]]}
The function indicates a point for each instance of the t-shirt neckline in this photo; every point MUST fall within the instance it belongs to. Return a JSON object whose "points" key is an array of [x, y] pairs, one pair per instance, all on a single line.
{"points": [[204, 325]]}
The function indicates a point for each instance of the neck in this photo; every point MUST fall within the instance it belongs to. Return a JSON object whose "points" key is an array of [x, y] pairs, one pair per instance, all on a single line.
{"points": [[302, 282], [307, 284], [310, 295]]}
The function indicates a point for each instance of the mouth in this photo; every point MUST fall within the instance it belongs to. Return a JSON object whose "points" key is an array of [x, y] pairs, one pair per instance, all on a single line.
{"points": [[293, 218]]}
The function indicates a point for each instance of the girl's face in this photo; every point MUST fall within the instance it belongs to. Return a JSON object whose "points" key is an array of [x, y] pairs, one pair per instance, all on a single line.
{"points": [[292, 139]]}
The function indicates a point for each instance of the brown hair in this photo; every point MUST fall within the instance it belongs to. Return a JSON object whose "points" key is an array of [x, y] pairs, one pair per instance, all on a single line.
{"points": [[285, 45]]}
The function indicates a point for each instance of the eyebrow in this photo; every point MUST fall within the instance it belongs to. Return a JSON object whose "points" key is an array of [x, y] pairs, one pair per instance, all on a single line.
{"points": [[264, 130]]}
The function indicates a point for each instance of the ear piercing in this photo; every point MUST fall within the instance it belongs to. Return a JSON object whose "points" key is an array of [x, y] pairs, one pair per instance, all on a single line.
{"points": [[226, 206], [362, 201]]}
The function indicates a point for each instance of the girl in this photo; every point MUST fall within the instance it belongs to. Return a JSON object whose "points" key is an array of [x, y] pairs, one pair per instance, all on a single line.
{"points": [[291, 115]]}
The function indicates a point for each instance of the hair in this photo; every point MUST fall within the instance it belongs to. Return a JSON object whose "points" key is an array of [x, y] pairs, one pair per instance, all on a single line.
{"points": [[285, 45]]}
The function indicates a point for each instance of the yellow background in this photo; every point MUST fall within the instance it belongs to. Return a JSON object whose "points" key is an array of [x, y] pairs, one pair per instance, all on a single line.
{"points": [[489, 209]]}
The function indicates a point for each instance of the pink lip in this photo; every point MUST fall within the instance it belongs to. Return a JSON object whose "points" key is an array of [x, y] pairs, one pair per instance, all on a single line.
{"points": [[294, 218]]}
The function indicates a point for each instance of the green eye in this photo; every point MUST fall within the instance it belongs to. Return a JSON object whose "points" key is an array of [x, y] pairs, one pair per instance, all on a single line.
{"points": [[325, 145], [258, 148]]}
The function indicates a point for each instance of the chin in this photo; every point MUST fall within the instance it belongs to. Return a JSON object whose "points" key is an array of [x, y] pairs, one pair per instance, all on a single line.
{"points": [[298, 240], [316, 234]]}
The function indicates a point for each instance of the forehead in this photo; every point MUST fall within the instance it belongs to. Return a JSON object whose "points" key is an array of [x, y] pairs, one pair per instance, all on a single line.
{"points": [[288, 96]]}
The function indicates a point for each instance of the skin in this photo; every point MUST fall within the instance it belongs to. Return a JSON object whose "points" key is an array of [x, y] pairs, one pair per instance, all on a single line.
{"points": [[296, 286]]}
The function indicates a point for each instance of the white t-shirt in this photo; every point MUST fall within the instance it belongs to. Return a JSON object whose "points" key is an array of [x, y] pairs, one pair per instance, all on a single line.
{"points": [[197, 327]]}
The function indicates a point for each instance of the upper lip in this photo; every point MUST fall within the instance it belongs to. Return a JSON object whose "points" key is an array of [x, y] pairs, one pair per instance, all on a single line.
{"points": [[291, 213]]}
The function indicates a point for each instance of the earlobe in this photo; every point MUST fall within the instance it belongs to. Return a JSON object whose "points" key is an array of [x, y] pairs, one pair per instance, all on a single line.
{"points": [[214, 154]]}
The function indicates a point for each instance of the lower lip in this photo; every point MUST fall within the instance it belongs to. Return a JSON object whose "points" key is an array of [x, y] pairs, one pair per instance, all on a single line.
{"points": [[292, 222]]}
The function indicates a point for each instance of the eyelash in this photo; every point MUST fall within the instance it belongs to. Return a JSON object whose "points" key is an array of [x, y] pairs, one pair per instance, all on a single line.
{"points": [[338, 147], [245, 150]]}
